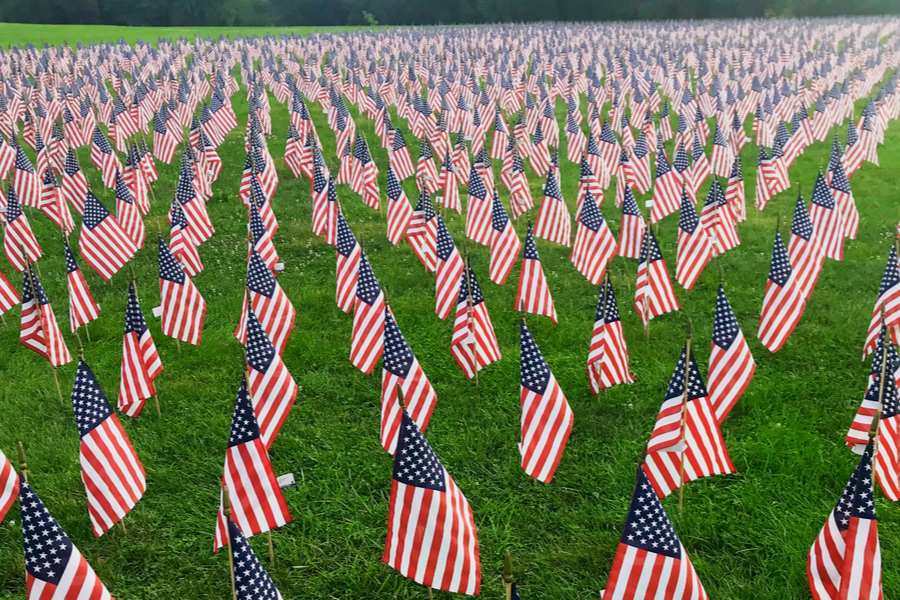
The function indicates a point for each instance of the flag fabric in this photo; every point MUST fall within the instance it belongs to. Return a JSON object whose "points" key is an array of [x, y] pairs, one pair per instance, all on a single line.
{"points": [[127, 213], [272, 306], [103, 243], [478, 210], [665, 193], [367, 341], [607, 363], [533, 295], [140, 360], [401, 370], [449, 270], [399, 211], [431, 534], [347, 252], [19, 242], [450, 185], [805, 251], [39, 331], [257, 504], [400, 158], [505, 243], [9, 297], [67, 575], [251, 580], [546, 416], [783, 303], [53, 205], [695, 248], [731, 366], [553, 221], [182, 242], [718, 221], [844, 562], [82, 307], [474, 343], [651, 562], [734, 192], [9, 485], [272, 389], [194, 207], [594, 245], [888, 300], [104, 158], [653, 292], [110, 468], [422, 232], [183, 308], [827, 220], [722, 154], [165, 139], [25, 180], [364, 180], [632, 226], [74, 183]]}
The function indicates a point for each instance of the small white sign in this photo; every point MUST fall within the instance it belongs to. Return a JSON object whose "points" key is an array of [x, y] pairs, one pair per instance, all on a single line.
{"points": [[279, 267], [649, 203], [157, 312], [286, 480]]}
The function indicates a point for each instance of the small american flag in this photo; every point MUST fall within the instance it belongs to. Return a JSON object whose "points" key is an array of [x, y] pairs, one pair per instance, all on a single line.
{"points": [[827, 219], [533, 294], [74, 183], [251, 580], [722, 154], [449, 270], [540, 153], [39, 331], [367, 341], [165, 140], [9, 297], [731, 366], [103, 243], [651, 562], [9, 485], [19, 242], [594, 244], [183, 308], [474, 343], [783, 303], [505, 243], [478, 210], [181, 240], [400, 158], [694, 245], [25, 181], [500, 137], [431, 530], [546, 416], [653, 292], [365, 175], [257, 504], [54, 568], [666, 192], [399, 210], [272, 306], [422, 232], [607, 363], [632, 226], [127, 213], [110, 468], [53, 205], [82, 307], [104, 158], [140, 360], [805, 250], [200, 225], [553, 221], [348, 252], [888, 300]]}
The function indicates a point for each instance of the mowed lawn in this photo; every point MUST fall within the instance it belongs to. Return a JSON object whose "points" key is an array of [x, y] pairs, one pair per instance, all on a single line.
{"points": [[747, 533]]}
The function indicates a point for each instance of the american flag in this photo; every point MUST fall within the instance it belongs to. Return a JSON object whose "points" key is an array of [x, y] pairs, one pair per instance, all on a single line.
{"points": [[141, 364], [259, 237], [82, 307], [400, 158], [103, 243], [888, 300], [449, 270], [326, 209], [575, 139], [53, 205], [9, 485], [257, 504], [805, 251], [699, 171], [500, 137], [731, 366], [422, 232], [553, 221], [367, 341], [199, 224], [402, 371], [686, 430], [19, 242], [9, 297], [783, 303], [365, 175], [843, 198], [461, 164], [478, 209], [505, 243], [272, 306], [765, 179], [666, 192], [251, 580], [54, 568], [112, 473], [540, 154], [399, 211], [718, 221], [450, 185], [25, 181], [695, 248], [546, 416], [594, 244], [653, 293], [182, 242], [39, 331], [127, 213], [607, 363], [533, 295], [348, 252], [587, 182], [734, 192], [183, 308], [104, 158], [638, 172], [632, 226], [165, 139], [722, 154], [845, 560], [431, 530], [474, 343], [651, 562]]}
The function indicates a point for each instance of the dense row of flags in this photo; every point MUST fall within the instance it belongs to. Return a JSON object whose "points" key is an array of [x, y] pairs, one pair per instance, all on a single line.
{"points": [[500, 105]]}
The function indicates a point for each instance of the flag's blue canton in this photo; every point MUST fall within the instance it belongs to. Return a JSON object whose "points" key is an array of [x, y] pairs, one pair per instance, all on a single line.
{"points": [[179, 219], [361, 151], [586, 171], [821, 195], [476, 186], [538, 134], [398, 357], [22, 162], [839, 179], [71, 264], [719, 137], [858, 497], [535, 372], [612, 308], [477, 295], [688, 220], [606, 133], [332, 191], [649, 246], [640, 146], [891, 277], [32, 289], [725, 327], [737, 169], [13, 206], [445, 245], [259, 278], [88, 400], [648, 527], [591, 217], [681, 160], [94, 212], [415, 462], [425, 150], [662, 164], [367, 287], [47, 547], [71, 164], [250, 578], [802, 225], [257, 227], [835, 158], [101, 142], [394, 190], [499, 218], [134, 317], [852, 135], [697, 150], [345, 240], [712, 197], [696, 387], [122, 191], [185, 188], [244, 426], [629, 204], [780, 270], [169, 269], [319, 181], [531, 252], [571, 124], [425, 205], [260, 351], [551, 188]]}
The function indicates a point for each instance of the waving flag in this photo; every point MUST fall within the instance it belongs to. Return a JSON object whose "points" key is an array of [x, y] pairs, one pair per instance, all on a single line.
{"points": [[450, 184], [365, 175], [594, 245], [68, 575], [127, 213], [348, 252], [272, 306], [722, 154], [104, 158], [827, 219], [19, 242], [448, 272], [426, 173], [9, 485], [182, 242], [843, 198], [402, 371], [39, 331], [889, 301], [9, 297], [400, 158], [783, 303], [478, 210], [546, 416], [653, 293], [731, 365], [257, 504], [805, 251], [505, 243], [422, 232], [553, 221], [194, 207], [474, 343], [607, 363], [183, 308], [74, 183], [533, 295], [399, 211], [632, 226], [694, 245], [367, 341], [25, 181], [53, 205], [665, 193], [251, 580], [82, 307], [112, 473], [718, 221], [103, 243], [140, 360], [165, 138]]}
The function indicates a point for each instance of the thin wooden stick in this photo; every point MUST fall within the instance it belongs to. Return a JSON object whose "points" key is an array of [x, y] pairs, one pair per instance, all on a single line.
{"points": [[271, 548], [87, 332], [23, 466], [227, 511], [687, 379], [508, 574]]}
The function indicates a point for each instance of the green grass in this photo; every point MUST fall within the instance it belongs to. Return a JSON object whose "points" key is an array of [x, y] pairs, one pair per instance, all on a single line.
{"points": [[747, 533]]}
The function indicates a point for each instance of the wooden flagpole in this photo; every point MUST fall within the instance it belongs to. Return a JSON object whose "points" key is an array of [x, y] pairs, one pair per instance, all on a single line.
{"points": [[23, 466], [133, 285], [687, 379], [226, 509], [508, 574], [247, 375]]}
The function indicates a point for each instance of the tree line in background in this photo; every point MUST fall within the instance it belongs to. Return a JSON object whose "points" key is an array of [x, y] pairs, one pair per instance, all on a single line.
{"points": [[286, 13]]}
